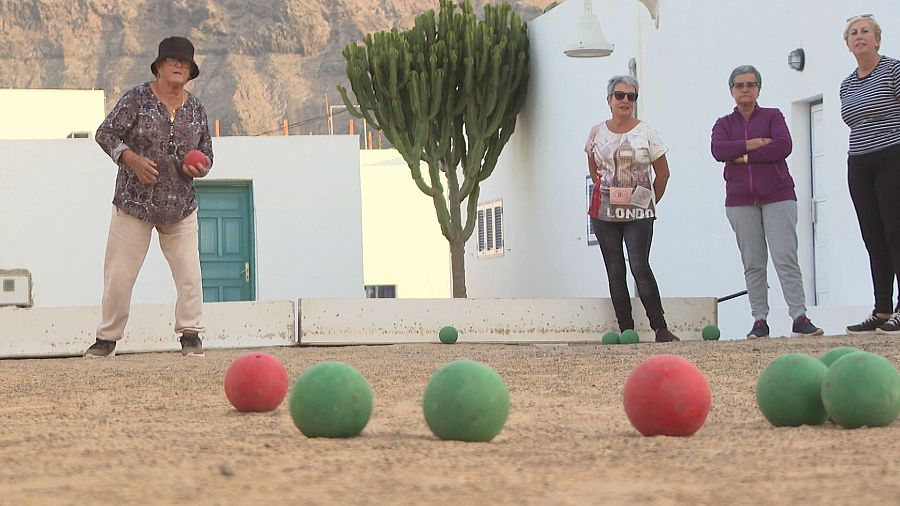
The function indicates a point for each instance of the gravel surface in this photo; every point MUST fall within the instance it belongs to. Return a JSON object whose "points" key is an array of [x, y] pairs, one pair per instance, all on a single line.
{"points": [[157, 429]]}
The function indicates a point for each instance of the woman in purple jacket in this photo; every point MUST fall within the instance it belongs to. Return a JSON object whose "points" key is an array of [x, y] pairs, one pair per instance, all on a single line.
{"points": [[760, 202]]}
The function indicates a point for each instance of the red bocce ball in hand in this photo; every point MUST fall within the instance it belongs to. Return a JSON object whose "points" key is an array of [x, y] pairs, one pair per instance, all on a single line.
{"points": [[196, 158]]}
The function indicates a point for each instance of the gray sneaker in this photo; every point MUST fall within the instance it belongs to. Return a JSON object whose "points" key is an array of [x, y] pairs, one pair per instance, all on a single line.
{"points": [[101, 349], [891, 326], [867, 326], [191, 345]]}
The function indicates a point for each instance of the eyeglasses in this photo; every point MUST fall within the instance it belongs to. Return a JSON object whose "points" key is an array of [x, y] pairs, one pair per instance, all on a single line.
{"points": [[178, 63], [861, 16], [746, 86], [620, 95]]}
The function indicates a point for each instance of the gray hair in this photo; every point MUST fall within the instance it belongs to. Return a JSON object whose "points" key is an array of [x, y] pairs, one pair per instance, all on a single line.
{"points": [[744, 69], [865, 17], [630, 81]]}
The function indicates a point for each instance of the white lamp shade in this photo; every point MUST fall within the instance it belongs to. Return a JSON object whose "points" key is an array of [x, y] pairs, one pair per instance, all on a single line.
{"points": [[589, 40]]}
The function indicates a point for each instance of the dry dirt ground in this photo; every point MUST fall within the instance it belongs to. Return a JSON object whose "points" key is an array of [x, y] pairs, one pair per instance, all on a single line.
{"points": [[157, 429]]}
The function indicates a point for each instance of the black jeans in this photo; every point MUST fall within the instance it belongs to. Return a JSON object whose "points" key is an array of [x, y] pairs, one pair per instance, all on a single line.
{"points": [[874, 181], [637, 236]]}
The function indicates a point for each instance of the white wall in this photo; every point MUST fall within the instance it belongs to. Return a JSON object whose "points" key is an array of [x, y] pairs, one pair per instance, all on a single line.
{"points": [[308, 216], [50, 114], [683, 70], [402, 240], [55, 205]]}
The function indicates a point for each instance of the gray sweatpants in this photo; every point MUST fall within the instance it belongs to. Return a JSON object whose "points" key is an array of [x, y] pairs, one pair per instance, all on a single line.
{"points": [[775, 224]]}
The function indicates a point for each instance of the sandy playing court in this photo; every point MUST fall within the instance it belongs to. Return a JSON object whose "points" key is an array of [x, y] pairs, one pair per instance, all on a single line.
{"points": [[157, 429]]}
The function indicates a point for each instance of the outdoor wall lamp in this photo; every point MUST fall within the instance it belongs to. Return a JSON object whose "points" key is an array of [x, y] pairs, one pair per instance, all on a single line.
{"points": [[797, 59]]}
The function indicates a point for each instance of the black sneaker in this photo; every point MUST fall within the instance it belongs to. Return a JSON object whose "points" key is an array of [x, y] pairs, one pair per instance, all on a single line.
{"points": [[891, 326], [664, 335], [101, 349], [803, 327], [191, 345], [868, 326], [760, 330]]}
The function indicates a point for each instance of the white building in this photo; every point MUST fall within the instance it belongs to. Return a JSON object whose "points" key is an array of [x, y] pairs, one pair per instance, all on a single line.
{"points": [[404, 253], [308, 211], [683, 67], [280, 219], [50, 114]]}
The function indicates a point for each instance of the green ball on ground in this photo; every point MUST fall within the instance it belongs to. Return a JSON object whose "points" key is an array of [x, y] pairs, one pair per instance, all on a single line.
{"points": [[629, 337], [789, 391], [830, 356], [711, 333], [331, 399], [448, 335], [862, 389], [466, 401], [611, 337]]}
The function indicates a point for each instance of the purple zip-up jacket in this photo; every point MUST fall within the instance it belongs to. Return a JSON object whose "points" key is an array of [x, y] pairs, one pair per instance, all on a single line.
{"points": [[764, 179]]}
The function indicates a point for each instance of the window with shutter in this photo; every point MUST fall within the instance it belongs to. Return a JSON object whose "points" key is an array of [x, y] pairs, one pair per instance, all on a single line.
{"points": [[498, 228], [381, 291], [589, 187], [480, 230], [489, 222]]}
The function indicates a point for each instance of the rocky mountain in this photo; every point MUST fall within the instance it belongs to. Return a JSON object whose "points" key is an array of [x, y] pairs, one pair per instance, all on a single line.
{"points": [[261, 62]]}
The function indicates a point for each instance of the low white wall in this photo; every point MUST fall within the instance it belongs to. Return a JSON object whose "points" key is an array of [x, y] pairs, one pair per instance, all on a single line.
{"points": [[369, 321], [55, 200], [68, 331]]}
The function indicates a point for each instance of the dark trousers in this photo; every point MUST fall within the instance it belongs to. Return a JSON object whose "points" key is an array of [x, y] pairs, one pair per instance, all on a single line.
{"points": [[874, 181], [637, 236]]}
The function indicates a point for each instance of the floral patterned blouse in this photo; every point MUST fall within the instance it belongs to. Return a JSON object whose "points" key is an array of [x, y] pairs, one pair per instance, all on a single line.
{"points": [[140, 122]]}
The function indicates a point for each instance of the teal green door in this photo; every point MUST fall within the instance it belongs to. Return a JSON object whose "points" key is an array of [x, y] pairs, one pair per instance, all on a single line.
{"points": [[225, 220]]}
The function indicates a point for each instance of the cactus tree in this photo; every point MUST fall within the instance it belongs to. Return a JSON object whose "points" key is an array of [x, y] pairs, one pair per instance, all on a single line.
{"points": [[446, 93]]}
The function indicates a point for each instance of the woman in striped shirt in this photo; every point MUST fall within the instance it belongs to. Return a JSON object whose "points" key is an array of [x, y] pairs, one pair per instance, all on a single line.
{"points": [[870, 105]]}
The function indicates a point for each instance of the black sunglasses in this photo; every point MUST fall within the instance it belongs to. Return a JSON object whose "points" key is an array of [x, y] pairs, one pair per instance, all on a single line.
{"points": [[620, 95]]}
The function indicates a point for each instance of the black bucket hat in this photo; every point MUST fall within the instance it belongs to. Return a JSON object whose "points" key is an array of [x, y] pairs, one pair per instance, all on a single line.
{"points": [[176, 47]]}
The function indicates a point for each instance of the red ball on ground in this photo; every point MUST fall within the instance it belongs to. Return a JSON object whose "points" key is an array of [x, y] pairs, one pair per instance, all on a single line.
{"points": [[666, 395], [256, 382], [196, 157]]}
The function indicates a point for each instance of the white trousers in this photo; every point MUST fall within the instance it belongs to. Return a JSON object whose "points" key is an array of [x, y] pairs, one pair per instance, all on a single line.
{"points": [[126, 249]]}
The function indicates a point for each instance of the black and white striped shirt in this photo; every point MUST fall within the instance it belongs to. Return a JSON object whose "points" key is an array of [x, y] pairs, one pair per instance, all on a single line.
{"points": [[870, 106]]}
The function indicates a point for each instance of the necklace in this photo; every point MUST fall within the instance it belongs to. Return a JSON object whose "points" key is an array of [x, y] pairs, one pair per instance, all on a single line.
{"points": [[170, 110], [173, 111]]}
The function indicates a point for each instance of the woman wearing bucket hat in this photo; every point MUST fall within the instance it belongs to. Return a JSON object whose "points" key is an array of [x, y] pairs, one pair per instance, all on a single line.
{"points": [[147, 134]]}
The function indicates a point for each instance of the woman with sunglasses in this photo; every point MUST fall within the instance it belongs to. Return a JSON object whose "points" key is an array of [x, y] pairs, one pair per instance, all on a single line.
{"points": [[621, 153], [870, 106], [760, 203], [147, 134]]}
